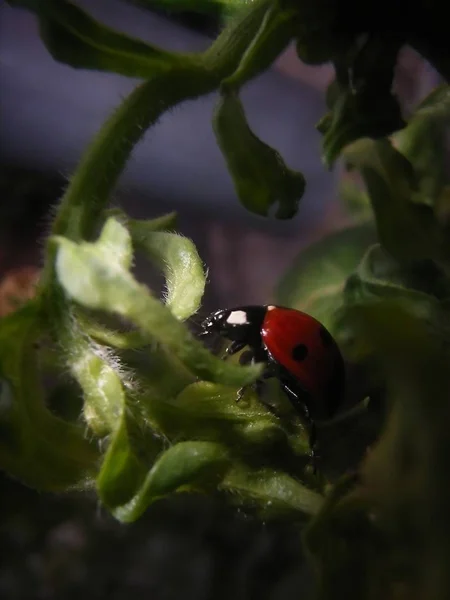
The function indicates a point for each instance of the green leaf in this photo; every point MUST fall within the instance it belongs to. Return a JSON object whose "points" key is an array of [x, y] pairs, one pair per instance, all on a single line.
{"points": [[40, 449], [412, 494], [115, 243], [423, 143], [97, 372], [123, 340], [363, 114], [362, 104], [316, 280], [208, 7], [112, 405], [74, 38], [347, 549], [178, 258], [274, 35], [406, 229], [356, 200], [123, 471], [91, 279], [317, 530], [419, 290], [394, 524], [260, 176], [187, 466], [272, 493], [209, 412], [381, 276]]}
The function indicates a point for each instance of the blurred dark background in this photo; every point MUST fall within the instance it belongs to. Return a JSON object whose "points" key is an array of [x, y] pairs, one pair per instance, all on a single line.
{"points": [[189, 547]]}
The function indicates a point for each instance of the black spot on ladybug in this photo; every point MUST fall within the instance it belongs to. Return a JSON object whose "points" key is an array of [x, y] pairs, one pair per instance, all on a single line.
{"points": [[300, 352], [327, 340]]}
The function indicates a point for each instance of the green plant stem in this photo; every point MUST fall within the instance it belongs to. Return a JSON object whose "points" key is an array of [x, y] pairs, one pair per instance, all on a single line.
{"points": [[88, 193]]}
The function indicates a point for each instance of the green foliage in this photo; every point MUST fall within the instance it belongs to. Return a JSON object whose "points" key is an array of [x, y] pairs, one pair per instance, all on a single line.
{"points": [[392, 524], [376, 535], [75, 38], [96, 276], [407, 230], [424, 145], [145, 410], [316, 280], [180, 263], [36, 446], [260, 175], [360, 99], [208, 7]]}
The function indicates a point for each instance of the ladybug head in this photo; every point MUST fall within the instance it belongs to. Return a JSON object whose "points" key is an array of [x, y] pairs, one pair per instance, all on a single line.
{"points": [[215, 323], [243, 324]]}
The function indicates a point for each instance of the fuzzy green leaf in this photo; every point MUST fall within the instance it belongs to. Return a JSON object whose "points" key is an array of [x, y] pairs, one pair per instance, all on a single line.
{"points": [[98, 376], [123, 340], [178, 258], [40, 449], [260, 176], [210, 412], [75, 38], [272, 493], [124, 469], [187, 466], [115, 243], [96, 282], [316, 280]]}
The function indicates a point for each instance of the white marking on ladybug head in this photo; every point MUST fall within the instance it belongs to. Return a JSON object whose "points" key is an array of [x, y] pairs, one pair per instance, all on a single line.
{"points": [[271, 307], [237, 317]]}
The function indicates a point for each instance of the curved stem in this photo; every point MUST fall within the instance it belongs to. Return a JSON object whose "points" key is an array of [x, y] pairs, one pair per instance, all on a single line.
{"points": [[88, 193]]}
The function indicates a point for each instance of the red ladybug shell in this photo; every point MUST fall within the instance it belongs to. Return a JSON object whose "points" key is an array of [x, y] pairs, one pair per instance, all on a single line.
{"points": [[302, 346]]}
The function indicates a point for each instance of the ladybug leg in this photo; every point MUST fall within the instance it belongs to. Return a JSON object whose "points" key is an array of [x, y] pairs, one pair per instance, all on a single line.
{"points": [[300, 402], [249, 358], [233, 348], [257, 386], [246, 358]]}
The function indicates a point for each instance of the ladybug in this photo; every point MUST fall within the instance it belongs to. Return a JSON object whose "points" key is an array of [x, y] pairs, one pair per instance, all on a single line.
{"points": [[294, 347]]}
